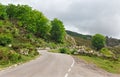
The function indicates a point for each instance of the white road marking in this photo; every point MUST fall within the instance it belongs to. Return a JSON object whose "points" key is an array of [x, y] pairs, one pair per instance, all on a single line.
{"points": [[69, 70], [66, 75], [73, 63]]}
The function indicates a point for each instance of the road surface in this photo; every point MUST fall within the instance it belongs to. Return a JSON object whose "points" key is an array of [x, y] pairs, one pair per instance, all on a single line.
{"points": [[54, 65], [47, 65]]}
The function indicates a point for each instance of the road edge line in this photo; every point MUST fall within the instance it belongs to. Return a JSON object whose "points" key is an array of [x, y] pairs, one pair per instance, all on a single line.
{"points": [[73, 62]]}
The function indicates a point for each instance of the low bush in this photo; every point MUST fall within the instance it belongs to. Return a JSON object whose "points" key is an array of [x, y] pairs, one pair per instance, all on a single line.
{"points": [[40, 43], [64, 50], [16, 46], [4, 53], [106, 52], [13, 56], [33, 53], [52, 45], [5, 40], [54, 50], [73, 51], [29, 35], [1, 23]]}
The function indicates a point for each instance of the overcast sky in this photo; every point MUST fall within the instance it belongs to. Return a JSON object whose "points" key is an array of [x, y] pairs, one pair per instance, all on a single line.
{"points": [[83, 16]]}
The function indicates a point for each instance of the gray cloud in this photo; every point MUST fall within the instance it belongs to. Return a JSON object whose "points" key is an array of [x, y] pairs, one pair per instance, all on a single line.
{"points": [[84, 16]]}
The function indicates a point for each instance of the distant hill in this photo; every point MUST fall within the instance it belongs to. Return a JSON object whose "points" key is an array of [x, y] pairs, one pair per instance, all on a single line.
{"points": [[112, 41], [75, 34], [80, 38], [86, 39]]}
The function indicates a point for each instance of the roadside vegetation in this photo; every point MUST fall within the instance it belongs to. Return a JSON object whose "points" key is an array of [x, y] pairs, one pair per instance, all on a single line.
{"points": [[23, 30], [103, 56], [94, 51], [108, 65]]}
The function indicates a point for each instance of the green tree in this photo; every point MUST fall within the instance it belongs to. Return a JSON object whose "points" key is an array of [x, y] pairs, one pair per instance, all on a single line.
{"points": [[23, 12], [98, 41], [43, 27], [32, 20], [57, 31], [20, 12], [38, 24], [3, 14]]}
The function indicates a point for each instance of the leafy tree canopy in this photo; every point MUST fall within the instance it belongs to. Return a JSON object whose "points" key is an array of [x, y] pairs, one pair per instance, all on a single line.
{"points": [[3, 14], [57, 31], [98, 41]]}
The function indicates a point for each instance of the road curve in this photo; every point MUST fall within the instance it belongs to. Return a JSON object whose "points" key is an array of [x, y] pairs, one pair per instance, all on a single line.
{"points": [[47, 65]]}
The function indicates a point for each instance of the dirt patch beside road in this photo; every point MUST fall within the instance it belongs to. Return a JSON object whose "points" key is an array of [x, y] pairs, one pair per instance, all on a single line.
{"points": [[84, 69]]}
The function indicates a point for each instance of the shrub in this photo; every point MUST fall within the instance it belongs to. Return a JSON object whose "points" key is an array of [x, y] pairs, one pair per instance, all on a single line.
{"points": [[19, 23], [64, 50], [73, 51], [33, 53], [54, 50], [13, 56], [29, 35], [5, 40], [98, 41], [52, 45], [40, 43], [1, 23], [106, 52], [21, 45], [15, 32], [4, 53]]}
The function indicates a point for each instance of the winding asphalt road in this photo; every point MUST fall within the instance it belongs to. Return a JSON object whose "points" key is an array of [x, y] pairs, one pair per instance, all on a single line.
{"points": [[47, 65], [55, 65]]}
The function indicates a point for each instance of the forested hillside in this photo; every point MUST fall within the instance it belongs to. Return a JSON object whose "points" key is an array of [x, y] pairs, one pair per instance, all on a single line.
{"points": [[23, 29]]}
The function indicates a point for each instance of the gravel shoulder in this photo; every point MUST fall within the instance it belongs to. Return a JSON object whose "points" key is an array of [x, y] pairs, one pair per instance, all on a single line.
{"points": [[84, 69]]}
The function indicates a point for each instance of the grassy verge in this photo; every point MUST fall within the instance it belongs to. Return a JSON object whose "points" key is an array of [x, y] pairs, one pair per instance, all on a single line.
{"points": [[23, 60], [110, 66], [106, 64], [63, 50], [54, 50]]}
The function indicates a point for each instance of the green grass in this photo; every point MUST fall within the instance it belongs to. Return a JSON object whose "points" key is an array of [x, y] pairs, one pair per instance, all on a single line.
{"points": [[23, 60], [54, 50], [110, 66]]}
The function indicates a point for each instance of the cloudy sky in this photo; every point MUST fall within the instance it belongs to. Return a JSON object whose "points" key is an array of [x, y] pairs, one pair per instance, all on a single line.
{"points": [[83, 16]]}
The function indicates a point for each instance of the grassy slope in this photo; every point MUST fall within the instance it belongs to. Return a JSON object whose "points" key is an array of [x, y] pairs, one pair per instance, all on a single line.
{"points": [[110, 66], [23, 60], [20, 41], [81, 40]]}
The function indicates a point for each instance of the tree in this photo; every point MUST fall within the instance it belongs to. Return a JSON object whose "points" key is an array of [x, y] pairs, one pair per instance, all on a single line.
{"points": [[32, 20], [43, 27], [11, 11], [57, 31], [3, 14], [98, 41]]}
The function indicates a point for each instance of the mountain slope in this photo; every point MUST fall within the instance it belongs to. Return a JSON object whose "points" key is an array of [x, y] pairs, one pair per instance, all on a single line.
{"points": [[81, 40]]}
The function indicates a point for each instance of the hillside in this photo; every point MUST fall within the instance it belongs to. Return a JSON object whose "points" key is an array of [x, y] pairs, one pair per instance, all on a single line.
{"points": [[23, 29], [75, 34], [111, 42], [80, 38]]}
